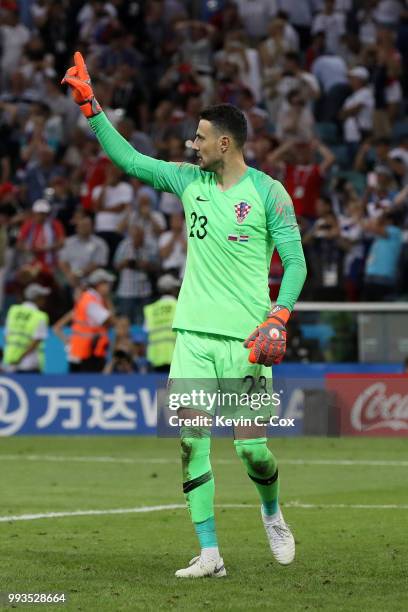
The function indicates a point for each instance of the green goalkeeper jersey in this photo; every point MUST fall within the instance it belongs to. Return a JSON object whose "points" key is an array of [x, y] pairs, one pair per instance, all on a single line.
{"points": [[231, 236]]}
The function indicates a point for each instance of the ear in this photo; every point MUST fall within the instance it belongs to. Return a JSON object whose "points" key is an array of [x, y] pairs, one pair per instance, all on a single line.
{"points": [[224, 144]]}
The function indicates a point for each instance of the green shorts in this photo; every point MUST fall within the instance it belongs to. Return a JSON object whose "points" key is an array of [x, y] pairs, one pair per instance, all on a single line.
{"points": [[215, 376]]}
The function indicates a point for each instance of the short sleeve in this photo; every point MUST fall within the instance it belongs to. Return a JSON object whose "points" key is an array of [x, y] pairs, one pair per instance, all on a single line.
{"points": [[97, 314]]}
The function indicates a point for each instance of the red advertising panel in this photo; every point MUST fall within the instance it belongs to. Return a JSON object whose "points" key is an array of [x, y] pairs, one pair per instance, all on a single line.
{"points": [[370, 404]]}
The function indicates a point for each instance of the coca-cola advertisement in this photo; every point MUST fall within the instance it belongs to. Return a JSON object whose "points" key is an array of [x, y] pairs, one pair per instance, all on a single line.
{"points": [[370, 404]]}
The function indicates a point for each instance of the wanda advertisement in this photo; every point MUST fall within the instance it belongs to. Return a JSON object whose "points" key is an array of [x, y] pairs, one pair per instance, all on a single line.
{"points": [[370, 404]]}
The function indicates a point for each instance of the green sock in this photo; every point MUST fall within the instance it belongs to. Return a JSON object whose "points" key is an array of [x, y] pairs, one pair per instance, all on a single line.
{"points": [[198, 481], [261, 466]]}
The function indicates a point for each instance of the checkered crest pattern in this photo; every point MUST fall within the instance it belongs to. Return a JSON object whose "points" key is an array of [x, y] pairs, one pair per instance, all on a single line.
{"points": [[241, 211]]}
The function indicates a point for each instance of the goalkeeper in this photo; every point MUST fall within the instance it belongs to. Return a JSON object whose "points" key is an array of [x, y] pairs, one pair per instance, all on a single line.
{"points": [[235, 217]]}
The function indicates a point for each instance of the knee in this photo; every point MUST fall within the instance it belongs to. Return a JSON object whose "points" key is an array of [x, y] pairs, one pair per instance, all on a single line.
{"points": [[254, 454]]}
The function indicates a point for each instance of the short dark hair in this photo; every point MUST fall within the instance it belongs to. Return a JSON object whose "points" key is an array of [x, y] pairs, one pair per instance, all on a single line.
{"points": [[228, 118]]}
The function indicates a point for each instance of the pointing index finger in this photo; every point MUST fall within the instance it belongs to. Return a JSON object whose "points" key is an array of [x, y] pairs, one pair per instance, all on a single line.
{"points": [[80, 64]]}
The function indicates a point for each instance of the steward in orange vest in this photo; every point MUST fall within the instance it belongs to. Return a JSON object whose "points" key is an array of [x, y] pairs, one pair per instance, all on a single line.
{"points": [[89, 341]]}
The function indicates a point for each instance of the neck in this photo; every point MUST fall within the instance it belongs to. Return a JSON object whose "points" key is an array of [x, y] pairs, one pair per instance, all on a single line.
{"points": [[230, 172]]}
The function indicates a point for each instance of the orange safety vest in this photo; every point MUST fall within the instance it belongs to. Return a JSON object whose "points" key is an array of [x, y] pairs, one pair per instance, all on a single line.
{"points": [[87, 340]]}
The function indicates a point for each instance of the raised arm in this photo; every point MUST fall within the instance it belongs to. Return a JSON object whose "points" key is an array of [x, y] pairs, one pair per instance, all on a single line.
{"points": [[328, 158], [164, 176], [281, 151]]}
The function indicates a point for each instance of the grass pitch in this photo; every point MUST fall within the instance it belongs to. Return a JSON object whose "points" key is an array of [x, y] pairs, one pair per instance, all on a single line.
{"points": [[348, 557]]}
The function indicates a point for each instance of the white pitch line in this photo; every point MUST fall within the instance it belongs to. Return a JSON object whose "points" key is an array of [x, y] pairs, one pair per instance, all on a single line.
{"points": [[145, 509], [161, 460]]}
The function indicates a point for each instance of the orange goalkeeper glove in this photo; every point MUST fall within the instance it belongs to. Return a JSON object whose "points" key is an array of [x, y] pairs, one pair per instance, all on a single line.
{"points": [[268, 341], [79, 81]]}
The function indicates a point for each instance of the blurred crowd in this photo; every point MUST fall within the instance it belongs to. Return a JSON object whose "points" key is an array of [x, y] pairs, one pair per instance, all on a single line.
{"points": [[323, 85]]}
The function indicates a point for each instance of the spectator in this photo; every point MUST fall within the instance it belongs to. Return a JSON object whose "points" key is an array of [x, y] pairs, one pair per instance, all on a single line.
{"points": [[63, 201], [153, 221], [290, 33], [333, 23], [173, 246], [372, 152], [331, 72], [119, 52], [236, 51], [295, 119], [291, 77], [386, 79], [350, 49], [366, 22], [351, 241], [41, 172], [161, 128], [40, 239], [180, 82], [300, 16], [111, 202], [196, 49], [398, 161], [357, 111], [135, 263], [315, 50], [129, 94], [82, 253], [256, 15], [303, 175], [14, 36], [138, 139], [272, 50], [381, 268], [224, 20], [380, 192], [153, 71], [187, 128]]}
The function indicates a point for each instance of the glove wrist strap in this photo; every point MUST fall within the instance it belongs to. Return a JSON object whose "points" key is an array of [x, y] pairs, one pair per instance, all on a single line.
{"points": [[90, 108], [281, 313]]}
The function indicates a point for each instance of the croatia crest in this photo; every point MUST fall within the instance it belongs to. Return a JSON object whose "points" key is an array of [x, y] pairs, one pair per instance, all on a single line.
{"points": [[241, 211]]}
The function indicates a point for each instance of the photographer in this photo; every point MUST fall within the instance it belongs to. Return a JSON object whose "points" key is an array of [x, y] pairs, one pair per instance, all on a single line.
{"points": [[121, 363], [323, 253]]}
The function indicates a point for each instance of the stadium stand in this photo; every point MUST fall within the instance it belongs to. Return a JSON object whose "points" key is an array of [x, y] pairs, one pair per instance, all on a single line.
{"points": [[334, 94]]}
